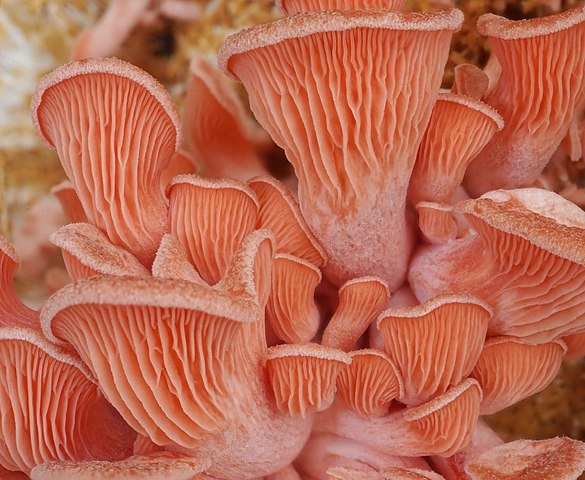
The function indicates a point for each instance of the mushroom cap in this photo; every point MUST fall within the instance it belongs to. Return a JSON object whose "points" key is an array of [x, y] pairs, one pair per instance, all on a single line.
{"points": [[558, 458], [303, 376], [280, 213], [156, 466], [470, 80], [436, 222], [510, 370], [161, 349], [115, 129], [446, 422], [450, 327], [51, 406], [310, 23], [355, 161], [500, 27], [360, 302], [210, 218], [87, 251], [370, 383], [393, 473], [291, 309], [292, 7], [459, 128]]}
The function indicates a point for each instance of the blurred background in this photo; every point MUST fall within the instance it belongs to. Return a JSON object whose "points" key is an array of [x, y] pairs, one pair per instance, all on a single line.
{"points": [[38, 35]]}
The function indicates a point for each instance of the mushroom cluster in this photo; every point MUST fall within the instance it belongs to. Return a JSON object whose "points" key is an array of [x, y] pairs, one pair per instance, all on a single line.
{"points": [[354, 325]]}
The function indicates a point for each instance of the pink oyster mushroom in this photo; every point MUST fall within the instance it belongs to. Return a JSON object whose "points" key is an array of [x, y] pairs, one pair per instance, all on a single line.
{"points": [[193, 319]]}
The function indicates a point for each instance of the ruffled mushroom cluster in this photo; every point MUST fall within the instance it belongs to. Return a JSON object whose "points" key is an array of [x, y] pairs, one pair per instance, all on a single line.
{"points": [[352, 323]]}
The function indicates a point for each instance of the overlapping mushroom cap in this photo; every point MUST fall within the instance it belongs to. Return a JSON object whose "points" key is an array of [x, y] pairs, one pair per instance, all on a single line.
{"points": [[348, 122], [196, 328]]}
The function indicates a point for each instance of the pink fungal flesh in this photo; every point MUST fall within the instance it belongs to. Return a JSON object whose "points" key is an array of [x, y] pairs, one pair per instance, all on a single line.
{"points": [[541, 85], [292, 7], [526, 260], [355, 160], [115, 130]]}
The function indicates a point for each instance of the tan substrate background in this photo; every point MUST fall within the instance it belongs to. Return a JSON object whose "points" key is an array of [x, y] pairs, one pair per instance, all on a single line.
{"points": [[36, 35]]}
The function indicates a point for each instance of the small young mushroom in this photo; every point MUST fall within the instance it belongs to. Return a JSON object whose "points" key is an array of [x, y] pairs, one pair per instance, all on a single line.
{"points": [[291, 309], [65, 193]]}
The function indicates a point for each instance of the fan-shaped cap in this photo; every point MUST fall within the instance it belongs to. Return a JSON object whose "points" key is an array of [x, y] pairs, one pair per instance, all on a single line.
{"points": [[291, 309], [292, 7], [171, 261], [533, 95], [449, 327], [510, 370], [210, 218], [360, 302], [115, 129], [575, 345], [162, 350], [67, 196], [447, 422], [279, 213], [87, 252], [355, 160], [157, 466], [537, 240], [558, 458], [51, 407], [436, 222], [303, 376], [459, 129], [213, 109], [370, 383], [470, 81], [12, 311]]}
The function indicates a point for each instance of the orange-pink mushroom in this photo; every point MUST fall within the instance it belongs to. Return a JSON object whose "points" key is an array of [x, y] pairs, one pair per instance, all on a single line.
{"points": [[441, 426], [470, 81], [353, 149], [558, 458], [449, 327], [360, 301], [510, 370], [526, 259], [52, 409], [291, 310], [436, 222], [115, 129], [218, 131], [459, 129], [541, 85], [303, 376], [210, 218], [279, 213], [183, 362], [369, 384], [87, 251], [292, 7]]}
